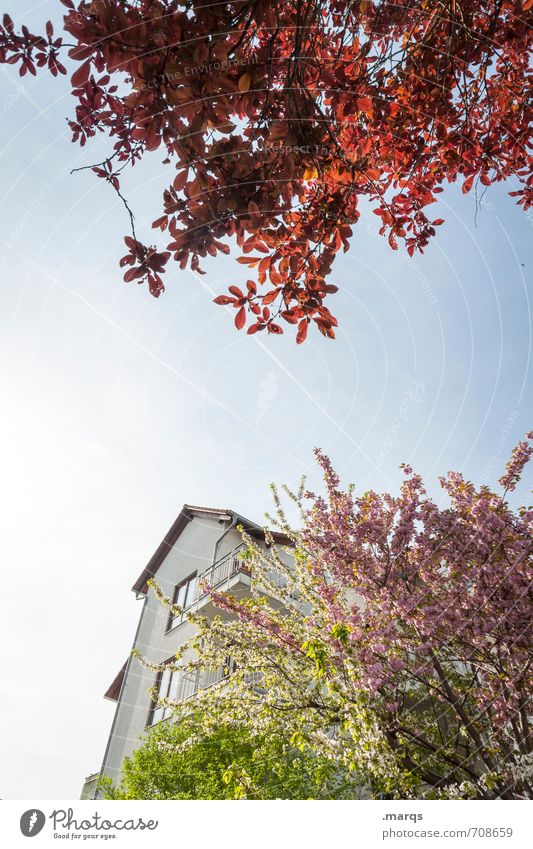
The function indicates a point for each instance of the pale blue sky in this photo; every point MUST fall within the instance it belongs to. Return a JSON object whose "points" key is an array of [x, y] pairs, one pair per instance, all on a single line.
{"points": [[118, 408]]}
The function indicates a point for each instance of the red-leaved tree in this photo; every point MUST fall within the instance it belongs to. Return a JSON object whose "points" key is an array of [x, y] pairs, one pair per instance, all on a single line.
{"points": [[278, 118]]}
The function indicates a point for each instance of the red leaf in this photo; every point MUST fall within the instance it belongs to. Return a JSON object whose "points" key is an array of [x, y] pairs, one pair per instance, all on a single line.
{"points": [[302, 331], [180, 180], [81, 76], [467, 185], [240, 319], [132, 274], [223, 300], [270, 297]]}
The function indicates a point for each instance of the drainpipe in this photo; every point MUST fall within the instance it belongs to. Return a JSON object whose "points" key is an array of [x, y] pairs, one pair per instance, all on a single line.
{"points": [[235, 518]]}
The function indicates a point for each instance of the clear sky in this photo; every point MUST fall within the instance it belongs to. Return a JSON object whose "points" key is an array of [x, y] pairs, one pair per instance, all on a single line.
{"points": [[118, 408]]}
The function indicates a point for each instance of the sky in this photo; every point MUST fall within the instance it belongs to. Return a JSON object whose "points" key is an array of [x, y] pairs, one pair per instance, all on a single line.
{"points": [[118, 408]]}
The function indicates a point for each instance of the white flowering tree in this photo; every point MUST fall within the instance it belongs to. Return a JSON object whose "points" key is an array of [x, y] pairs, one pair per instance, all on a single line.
{"points": [[399, 643], [194, 759]]}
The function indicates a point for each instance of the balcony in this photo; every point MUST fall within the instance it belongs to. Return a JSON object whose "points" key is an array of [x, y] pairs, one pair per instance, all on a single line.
{"points": [[190, 683], [182, 686], [226, 569], [230, 573]]}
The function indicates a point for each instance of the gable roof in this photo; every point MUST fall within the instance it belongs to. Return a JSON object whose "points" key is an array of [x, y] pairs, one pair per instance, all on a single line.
{"points": [[188, 512]]}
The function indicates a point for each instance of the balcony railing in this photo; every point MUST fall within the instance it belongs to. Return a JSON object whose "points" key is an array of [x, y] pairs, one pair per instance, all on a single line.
{"points": [[221, 573], [191, 683], [223, 570], [183, 686]]}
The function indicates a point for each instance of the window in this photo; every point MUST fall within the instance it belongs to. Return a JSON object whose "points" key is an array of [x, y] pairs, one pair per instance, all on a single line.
{"points": [[167, 683], [184, 595], [182, 685]]}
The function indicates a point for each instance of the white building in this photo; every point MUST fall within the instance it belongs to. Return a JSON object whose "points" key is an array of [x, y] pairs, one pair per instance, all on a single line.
{"points": [[202, 543]]}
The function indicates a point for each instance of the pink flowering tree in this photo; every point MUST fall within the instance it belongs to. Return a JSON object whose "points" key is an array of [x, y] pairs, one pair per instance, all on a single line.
{"points": [[395, 639]]}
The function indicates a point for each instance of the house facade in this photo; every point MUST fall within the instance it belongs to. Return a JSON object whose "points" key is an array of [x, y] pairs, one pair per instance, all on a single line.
{"points": [[202, 544]]}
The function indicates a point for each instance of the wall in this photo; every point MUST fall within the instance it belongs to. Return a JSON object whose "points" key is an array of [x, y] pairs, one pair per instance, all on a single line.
{"points": [[192, 552]]}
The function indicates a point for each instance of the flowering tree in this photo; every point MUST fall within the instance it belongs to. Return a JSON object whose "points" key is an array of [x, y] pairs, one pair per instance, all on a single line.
{"points": [[278, 118], [402, 645], [192, 758]]}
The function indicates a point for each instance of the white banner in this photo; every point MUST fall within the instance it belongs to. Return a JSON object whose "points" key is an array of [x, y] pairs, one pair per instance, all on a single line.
{"points": [[279, 824]]}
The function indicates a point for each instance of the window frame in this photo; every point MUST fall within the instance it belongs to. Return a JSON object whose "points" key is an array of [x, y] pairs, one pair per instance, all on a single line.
{"points": [[174, 621], [171, 691], [154, 707]]}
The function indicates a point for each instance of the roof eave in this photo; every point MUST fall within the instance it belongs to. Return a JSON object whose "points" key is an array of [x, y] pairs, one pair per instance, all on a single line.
{"points": [[140, 587]]}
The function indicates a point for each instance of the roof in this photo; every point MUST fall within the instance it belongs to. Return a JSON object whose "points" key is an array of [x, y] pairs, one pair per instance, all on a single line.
{"points": [[113, 691], [187, 512]]}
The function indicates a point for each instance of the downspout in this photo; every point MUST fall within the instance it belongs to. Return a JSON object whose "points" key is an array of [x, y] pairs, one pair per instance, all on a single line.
{"points": [[233, 523]]}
